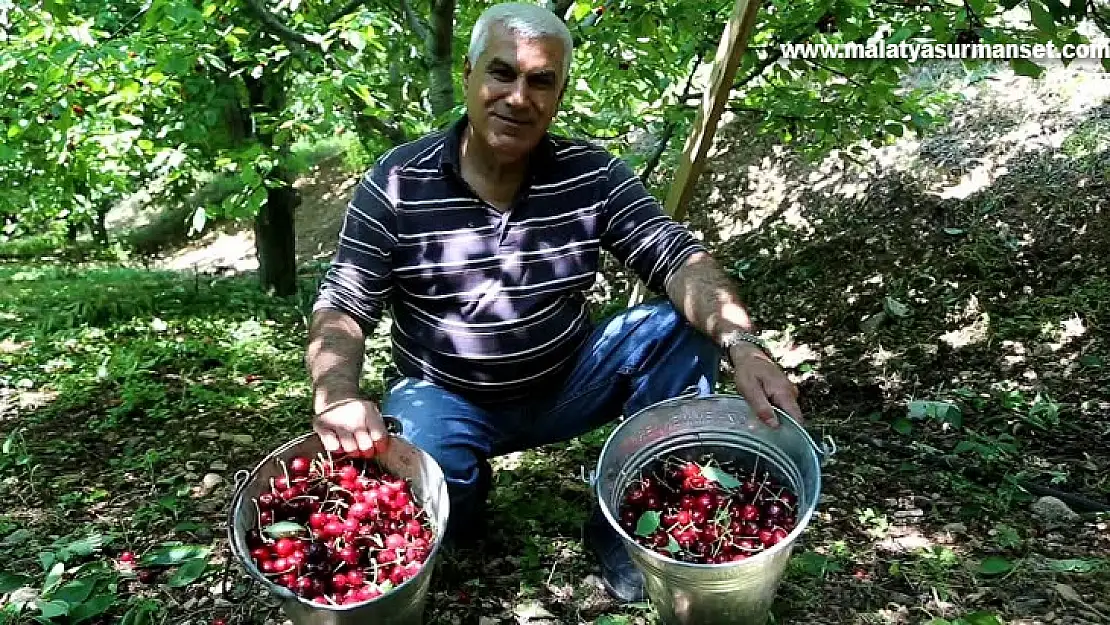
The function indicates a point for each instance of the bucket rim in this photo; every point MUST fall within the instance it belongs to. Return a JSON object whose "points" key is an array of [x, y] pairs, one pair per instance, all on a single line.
{"points": [[281, 591], [766, 554]]}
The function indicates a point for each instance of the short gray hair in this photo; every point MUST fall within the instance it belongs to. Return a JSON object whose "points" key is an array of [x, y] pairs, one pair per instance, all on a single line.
{"points": [[530, 21]]}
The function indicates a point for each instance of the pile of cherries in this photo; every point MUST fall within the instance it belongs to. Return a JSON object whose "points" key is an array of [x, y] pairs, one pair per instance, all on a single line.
{"points": [[706, 512], [339, 530]]}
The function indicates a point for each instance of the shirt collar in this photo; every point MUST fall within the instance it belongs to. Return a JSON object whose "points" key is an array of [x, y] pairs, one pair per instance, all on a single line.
{"points": [[449, 160]]}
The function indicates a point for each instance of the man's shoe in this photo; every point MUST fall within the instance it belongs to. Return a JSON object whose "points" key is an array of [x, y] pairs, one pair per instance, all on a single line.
{"points": [[622, 579]]}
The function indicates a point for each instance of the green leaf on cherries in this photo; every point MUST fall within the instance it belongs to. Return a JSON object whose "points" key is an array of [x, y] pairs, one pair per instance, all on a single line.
{"points": [[722, 518], [648, 523], [385, 586], [283, 529], [672, 545], [721, 477]]}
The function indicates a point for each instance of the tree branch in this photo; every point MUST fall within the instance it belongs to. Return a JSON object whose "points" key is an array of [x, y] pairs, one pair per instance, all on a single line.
{"points": [[395, 134], [342, 12], [668, 131], [772, 57], [416, 23], [278, 28], [1099, 20], [558, 7]]}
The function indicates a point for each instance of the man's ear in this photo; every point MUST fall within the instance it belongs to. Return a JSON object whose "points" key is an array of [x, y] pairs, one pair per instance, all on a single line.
{"points": [[466, 70]]}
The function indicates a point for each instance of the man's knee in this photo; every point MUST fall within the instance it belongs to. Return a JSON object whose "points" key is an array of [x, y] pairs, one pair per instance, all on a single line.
{"points": [[442, 425]]}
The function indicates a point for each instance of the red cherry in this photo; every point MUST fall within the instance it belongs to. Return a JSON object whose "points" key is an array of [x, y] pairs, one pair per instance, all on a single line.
{"points": [[339, 581], [747, 544], [386, 556], [348, 473], [766, 537], [411, 570], [285, 547], [127, 557], [413, 528], [778, 536], [690, 469], [359, 510], [749, 513], [259, 554], [355, 579], [401, 499], [299, 466], [349, 555], [333, 529], [303, 586]]}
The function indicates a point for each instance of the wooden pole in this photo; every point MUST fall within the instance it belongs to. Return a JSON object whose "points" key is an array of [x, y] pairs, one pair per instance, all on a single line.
{"points": [[730, 51]]}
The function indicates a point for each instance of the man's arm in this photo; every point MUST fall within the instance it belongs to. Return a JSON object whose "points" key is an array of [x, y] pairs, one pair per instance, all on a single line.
{"points": [[707, 298], [667, 257], [350, 303], [705, 295], [334, 357]]}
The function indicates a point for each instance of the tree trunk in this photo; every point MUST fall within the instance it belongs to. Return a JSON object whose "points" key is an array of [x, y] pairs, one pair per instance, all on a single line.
{"points": [[441, 90], [275, 236], [100, 226]]}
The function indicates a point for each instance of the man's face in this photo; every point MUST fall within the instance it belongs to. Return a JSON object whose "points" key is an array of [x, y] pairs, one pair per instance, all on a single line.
{"points": [[513, 91]]}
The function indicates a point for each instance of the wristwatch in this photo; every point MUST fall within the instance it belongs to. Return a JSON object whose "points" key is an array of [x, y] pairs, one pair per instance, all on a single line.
{"points": [[731, 339]]}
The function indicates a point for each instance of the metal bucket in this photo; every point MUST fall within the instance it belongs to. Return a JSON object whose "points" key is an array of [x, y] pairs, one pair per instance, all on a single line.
{"points": [[404, 605], [735, 593]]}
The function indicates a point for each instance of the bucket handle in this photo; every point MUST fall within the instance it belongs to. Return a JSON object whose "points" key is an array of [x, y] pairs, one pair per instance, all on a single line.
{"points": [[393, 425], [825, 450]]}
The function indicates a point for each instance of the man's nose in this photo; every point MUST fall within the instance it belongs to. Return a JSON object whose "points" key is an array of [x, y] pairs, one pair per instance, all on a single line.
{"points": [[518, 95]]}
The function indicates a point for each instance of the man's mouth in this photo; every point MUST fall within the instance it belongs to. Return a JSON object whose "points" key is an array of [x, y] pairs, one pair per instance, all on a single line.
{"points": [[510, 120]]}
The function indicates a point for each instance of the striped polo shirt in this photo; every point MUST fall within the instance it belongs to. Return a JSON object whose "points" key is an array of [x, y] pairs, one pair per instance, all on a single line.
{"points": [[485, 304]]}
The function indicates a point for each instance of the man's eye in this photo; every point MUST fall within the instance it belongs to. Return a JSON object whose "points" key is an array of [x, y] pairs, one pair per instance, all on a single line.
{"points": [[501, 73]]}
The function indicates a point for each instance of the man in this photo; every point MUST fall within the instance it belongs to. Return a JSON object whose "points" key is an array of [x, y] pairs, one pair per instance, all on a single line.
{"points": [[482, 239]]}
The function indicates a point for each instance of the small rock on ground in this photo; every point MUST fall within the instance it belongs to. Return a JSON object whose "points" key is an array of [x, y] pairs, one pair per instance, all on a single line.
{"points": [[1052, 509]]}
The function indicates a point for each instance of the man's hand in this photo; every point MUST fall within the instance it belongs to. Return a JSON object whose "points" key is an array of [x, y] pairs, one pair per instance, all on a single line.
{"points": [[354, 426], [763, 383]]}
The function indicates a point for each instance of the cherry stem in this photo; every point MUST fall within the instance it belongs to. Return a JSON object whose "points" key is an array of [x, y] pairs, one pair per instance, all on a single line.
{"points": [[285, 471]]}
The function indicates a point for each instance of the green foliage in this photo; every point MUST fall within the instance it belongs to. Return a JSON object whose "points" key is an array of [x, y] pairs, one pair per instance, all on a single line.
{"points": [[102, 100]]}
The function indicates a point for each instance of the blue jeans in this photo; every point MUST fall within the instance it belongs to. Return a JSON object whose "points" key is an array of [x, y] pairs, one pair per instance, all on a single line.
{"points": [[633, 359]]}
